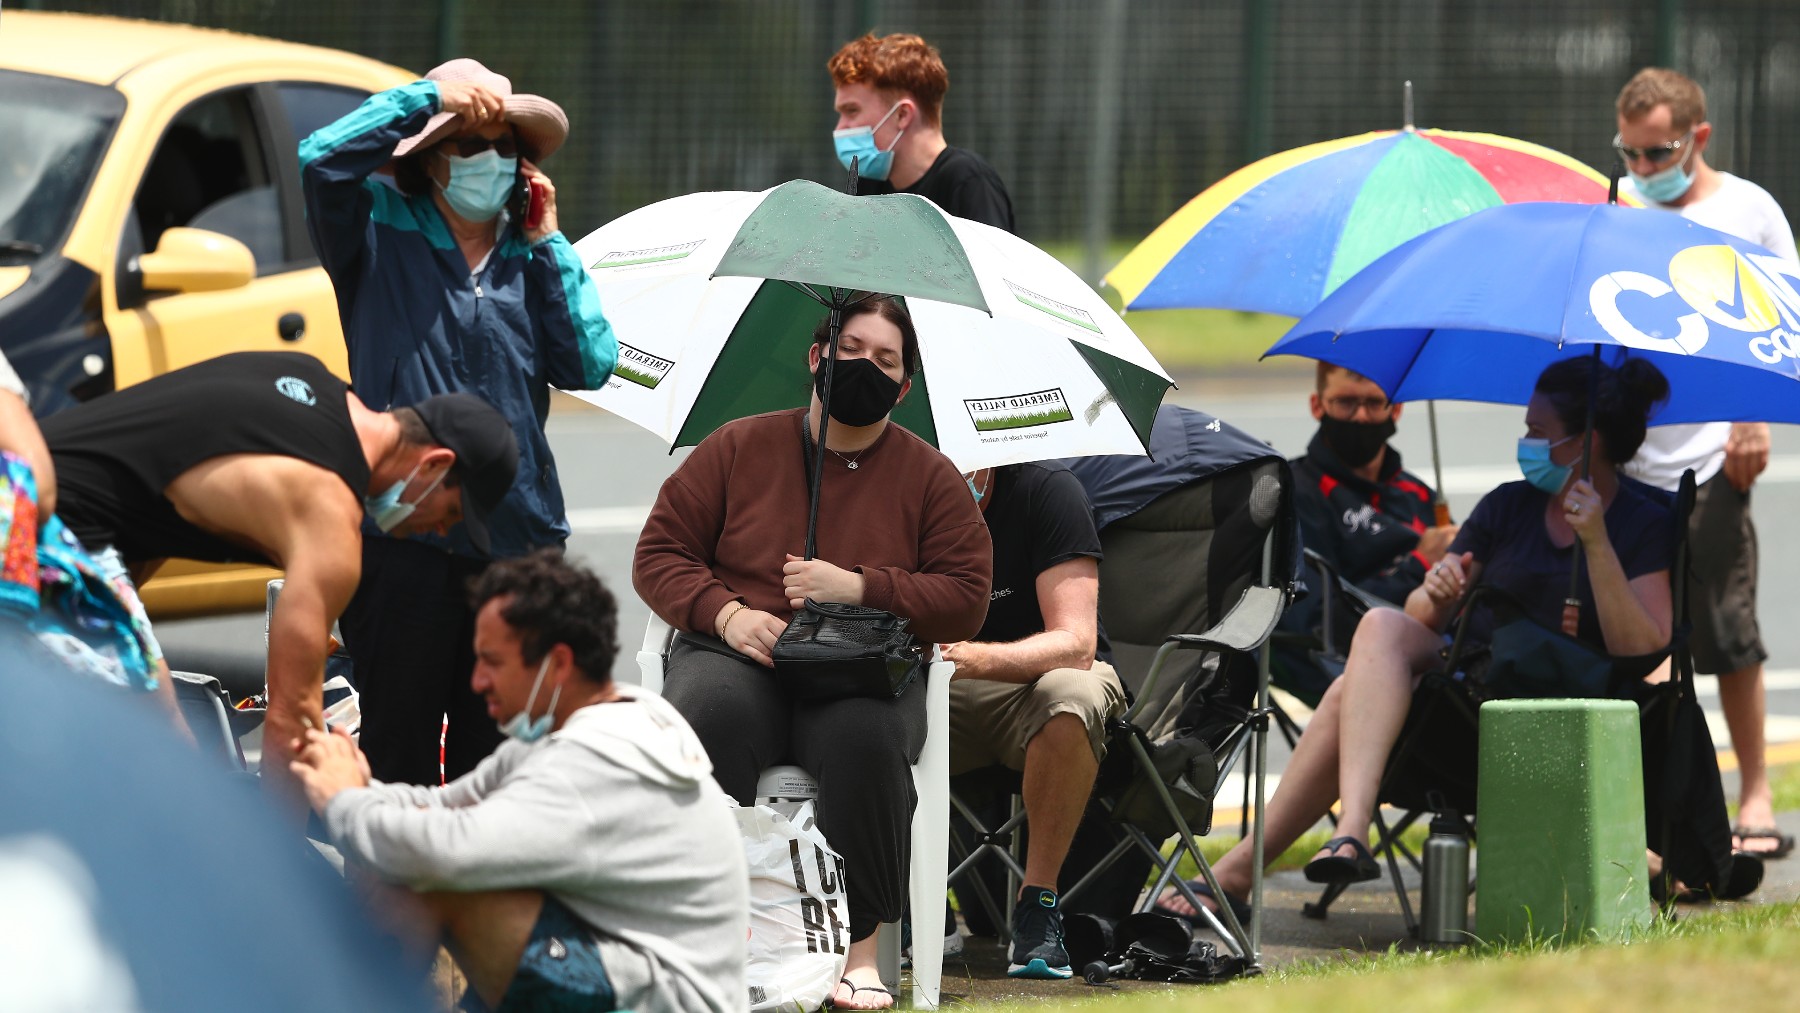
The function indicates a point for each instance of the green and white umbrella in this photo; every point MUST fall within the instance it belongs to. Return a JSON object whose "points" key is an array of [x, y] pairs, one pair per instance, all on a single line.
{"points": [[714, 297]]}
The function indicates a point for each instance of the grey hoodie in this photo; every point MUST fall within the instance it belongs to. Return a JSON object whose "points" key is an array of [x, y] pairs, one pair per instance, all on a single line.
{"points": [[616, 815]]}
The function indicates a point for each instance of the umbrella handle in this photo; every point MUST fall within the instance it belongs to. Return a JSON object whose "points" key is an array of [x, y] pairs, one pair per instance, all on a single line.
{"points": [[818, 461], [1572, 604]]}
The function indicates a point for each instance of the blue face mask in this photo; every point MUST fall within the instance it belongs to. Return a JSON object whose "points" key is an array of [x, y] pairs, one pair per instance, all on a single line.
{"points": [[522, 726], [1539, 470], [1667, 185], [977, 493], [387, 511], [480, 184], [858, 143]]}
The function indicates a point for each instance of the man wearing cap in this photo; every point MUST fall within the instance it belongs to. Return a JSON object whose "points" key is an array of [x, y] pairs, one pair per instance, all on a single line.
{"points": [[447, 280], [267, 457]]}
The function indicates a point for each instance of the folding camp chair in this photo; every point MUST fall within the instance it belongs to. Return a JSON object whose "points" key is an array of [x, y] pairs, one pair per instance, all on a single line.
{"points": [[1191, 585], [1444, 719], [207, 709], [930, 825]]}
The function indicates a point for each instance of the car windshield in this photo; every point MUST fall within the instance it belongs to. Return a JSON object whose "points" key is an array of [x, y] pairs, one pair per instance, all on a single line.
{"points": [[52, 133]]}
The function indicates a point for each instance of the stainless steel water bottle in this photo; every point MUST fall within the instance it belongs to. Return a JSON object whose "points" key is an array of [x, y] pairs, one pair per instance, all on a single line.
{"points": [[1445, 914]]}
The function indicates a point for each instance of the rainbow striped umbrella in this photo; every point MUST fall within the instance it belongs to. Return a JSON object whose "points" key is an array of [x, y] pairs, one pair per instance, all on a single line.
{"points": [[1278, 235]]}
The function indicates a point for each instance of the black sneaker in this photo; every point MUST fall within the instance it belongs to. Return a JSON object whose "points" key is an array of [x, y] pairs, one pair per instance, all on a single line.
{"points": [[1037, 937]]}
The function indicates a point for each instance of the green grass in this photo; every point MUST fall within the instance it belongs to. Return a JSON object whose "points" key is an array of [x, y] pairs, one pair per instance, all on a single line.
{"points": [[1187, 341], [1738, 958]]}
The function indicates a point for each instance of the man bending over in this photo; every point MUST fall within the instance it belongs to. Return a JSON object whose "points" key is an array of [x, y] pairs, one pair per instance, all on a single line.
{"points": [[591, 862], [267, 457]]}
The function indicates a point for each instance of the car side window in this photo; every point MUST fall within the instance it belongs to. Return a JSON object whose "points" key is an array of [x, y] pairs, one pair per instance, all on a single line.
{"points": [[310, 106], [210, 171]]}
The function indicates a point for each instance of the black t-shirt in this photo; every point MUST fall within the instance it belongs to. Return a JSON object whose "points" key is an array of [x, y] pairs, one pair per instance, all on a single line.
{"points": [[1038, 516], [1507, 535], [964, 184], [116, 455]]}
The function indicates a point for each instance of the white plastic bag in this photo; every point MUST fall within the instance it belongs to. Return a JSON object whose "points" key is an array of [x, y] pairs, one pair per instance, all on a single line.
{"points": [[799, 915]]}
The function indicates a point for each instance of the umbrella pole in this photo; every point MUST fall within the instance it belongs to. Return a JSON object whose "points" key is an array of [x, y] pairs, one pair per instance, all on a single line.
{"points": [[818, 461], [1440, 505], [1572, 604]]}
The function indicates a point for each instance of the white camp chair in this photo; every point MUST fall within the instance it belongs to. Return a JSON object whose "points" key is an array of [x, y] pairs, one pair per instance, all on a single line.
{"points": [[930, 825]]}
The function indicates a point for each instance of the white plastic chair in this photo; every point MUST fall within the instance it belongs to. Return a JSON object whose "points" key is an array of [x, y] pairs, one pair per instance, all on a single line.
{"points": [[930, 825]]}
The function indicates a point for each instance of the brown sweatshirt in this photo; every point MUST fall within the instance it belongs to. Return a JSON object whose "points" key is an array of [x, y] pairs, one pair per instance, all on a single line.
{"points": [[725, 521]]}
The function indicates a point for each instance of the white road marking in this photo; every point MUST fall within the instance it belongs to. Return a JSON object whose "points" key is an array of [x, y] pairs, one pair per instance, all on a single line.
{"points": [[624, 520]]}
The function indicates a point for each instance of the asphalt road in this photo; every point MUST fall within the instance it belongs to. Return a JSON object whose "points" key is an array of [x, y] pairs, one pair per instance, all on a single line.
{"points": [[612, 470]]}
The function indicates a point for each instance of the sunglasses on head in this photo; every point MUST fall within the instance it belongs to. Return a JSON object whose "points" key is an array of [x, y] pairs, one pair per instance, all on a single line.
{"points": [[469, 147], [1656, 156]]}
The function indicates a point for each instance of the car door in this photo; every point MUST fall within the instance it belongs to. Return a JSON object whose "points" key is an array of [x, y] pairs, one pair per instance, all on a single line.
{"points": [[222, 165]]}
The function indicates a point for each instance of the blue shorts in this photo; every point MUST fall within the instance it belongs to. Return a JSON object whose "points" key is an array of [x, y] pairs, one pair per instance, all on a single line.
{"points": [[561, 969]]}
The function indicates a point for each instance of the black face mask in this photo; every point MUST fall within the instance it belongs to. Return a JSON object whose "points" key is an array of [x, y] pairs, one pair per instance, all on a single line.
{"points": [[861, 394], [1355, 443]]}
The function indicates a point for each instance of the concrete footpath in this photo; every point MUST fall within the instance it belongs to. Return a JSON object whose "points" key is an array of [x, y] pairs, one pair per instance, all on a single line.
{"points": [[1365, 920]]}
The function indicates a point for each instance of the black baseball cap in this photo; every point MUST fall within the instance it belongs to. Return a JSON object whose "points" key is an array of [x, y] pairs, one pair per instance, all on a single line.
{"points": [[487, 454]]}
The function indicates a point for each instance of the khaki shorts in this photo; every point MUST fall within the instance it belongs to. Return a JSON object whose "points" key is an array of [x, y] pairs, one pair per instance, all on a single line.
{"points": [[991, 722], [1722, 584]]}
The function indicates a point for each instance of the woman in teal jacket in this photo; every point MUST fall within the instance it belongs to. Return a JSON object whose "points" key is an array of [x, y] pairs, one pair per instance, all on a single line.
{"points": [[442, 287]]}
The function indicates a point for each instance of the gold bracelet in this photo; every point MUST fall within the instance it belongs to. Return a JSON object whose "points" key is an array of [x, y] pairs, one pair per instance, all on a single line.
{"points": [[727, 620]]}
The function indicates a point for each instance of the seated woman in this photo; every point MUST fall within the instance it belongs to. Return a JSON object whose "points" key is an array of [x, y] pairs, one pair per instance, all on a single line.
{"points": [[719, 559], [1520, 540]]}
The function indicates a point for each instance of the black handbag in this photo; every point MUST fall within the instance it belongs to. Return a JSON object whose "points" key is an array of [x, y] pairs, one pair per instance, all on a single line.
{"points": [[831, 651]]}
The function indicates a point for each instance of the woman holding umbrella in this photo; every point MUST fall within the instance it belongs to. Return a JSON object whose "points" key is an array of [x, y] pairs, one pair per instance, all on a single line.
{"points": [[1520, 540], [899, 530]]}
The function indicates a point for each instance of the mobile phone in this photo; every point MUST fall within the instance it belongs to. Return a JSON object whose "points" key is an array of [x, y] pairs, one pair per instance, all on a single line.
{"points": [[519, 204], [534, 204]]}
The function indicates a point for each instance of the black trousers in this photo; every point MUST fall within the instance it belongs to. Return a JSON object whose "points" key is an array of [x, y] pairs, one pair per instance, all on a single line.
{"points": [[861, 750], [411, 633]]}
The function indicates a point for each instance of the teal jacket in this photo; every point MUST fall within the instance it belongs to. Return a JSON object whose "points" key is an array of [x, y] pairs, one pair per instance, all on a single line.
{"points": [[418, 323]]}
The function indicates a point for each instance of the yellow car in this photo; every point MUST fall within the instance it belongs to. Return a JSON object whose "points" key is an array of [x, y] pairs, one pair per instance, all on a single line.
{"points": [[151, 216]]}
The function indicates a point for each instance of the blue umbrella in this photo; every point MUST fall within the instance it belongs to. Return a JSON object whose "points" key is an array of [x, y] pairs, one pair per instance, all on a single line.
{"points": [[1475, 310], [136, 875]]}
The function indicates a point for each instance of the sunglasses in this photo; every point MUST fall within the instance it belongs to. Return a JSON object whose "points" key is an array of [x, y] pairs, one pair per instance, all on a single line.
{"points": [[1656, 156], [469, 147]]}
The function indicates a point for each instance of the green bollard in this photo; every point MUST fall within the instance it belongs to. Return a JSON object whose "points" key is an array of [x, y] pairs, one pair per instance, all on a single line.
{"points": [[1561, 847]]}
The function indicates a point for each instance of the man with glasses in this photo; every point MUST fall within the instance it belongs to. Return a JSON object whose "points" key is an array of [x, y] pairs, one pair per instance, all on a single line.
{"points": [[1662, 139], [1369, 518]]}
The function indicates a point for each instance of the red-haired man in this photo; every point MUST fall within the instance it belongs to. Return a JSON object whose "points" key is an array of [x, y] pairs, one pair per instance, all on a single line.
{"points": [[890, 103]]}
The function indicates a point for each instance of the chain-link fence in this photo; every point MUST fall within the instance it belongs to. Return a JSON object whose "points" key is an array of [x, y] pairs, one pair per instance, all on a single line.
{"points": [[1103, 116]]}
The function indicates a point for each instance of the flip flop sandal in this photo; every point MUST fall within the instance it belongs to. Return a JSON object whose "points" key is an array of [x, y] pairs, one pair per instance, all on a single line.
{"points": [[1334, 868], [1784, 843], [855, 988], [1197, 920]]}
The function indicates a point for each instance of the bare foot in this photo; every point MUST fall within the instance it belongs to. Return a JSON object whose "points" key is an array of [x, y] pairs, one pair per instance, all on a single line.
{"points": [[1172, 902], [1342, 851], [860, 988]]}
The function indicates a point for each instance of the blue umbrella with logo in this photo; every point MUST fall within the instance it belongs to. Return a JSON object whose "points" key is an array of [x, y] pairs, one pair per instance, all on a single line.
{"points": [[1476, 309]]}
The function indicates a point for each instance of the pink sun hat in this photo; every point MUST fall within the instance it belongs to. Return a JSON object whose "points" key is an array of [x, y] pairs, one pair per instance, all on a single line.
{"points": [[541, 125]]}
